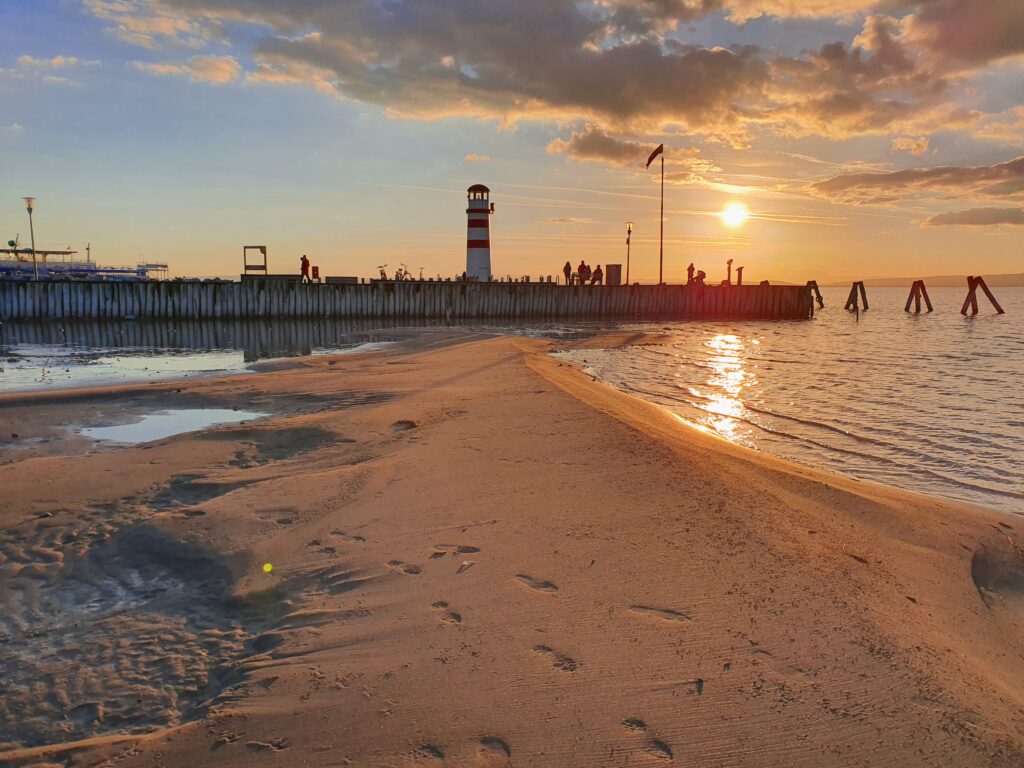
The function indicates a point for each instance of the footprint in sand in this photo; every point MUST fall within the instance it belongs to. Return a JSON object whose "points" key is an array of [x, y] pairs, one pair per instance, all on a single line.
{"points": [[537, 584], [661, 613], [447, 616], [659, 749], [654, 747], [494, 753], [406, 568], [346, 538], [558, 660]]}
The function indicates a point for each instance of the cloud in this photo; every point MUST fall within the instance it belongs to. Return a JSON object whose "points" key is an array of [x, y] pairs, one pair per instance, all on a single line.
{"points": [[15, 128], [1006, 127], [210, 69], [962, 33], [56, 62], [55, 80], [473, 157], [615, 64], [594, 144], [978, 217], [150, 24], [565, 220], [914, 146], [998, 180]]}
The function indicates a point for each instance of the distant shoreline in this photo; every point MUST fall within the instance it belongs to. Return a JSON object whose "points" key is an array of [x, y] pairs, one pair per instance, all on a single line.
{"points": [[935, 281]]}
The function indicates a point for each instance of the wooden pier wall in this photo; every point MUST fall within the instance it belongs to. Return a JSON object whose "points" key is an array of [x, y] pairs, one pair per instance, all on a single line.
{"points": [[396, 301]]}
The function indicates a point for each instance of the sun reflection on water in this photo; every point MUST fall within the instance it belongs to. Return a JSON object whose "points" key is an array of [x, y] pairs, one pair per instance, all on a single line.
{"points": [[727, 378]]}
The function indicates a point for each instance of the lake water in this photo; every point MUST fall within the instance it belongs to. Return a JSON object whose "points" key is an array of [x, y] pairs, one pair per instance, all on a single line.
{"points": [[932, 403], [76, 354]]}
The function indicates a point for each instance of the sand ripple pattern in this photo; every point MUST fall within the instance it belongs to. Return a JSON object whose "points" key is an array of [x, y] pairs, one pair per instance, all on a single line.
{"points": [[115, 631]]}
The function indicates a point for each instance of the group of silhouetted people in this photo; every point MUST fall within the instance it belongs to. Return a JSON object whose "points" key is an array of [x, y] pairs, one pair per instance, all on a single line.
{"points": [[695, 280], [583, 275]]}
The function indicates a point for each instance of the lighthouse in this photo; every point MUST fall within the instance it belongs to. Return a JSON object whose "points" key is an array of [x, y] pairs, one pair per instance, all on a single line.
{"points": [[478, 237]]}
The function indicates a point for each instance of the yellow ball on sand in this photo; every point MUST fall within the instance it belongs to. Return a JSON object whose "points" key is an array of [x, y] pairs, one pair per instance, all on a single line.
{"points": [[267, 567]]}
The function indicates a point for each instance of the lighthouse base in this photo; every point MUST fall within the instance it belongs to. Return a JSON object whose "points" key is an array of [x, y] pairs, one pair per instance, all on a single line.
{"points": [[478, 264]]}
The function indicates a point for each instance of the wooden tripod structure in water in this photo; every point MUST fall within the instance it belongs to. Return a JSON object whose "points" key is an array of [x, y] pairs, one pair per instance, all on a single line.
{"points": [[917, 290], [851, 301], [973, 283]]}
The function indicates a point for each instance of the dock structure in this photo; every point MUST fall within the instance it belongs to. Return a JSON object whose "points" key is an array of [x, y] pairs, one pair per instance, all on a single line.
{"points": [[397, 300]]}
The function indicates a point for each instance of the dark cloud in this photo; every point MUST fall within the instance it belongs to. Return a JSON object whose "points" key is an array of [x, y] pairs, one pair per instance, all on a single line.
{"points": [[1001, 179], [522, 59], [610, 62], [966, 32], [978, 217], [594, 144]]}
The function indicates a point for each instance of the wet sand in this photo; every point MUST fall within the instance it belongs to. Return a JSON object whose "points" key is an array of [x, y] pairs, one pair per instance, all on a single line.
{"points": [[482, 558]]}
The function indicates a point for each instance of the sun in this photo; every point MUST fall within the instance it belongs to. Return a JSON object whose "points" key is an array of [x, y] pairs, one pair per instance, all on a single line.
{"points": [[734, 214]]}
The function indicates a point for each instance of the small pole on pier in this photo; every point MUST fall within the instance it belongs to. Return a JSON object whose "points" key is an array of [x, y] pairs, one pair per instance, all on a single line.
{"points": [[629, 236], [30, 203], [813, 285], [728, 275], [917, 291], [851, 301], [739, 275], [973, 283]]}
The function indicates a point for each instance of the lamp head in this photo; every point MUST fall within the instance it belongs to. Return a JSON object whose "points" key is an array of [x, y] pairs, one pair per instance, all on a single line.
{"points": [[30, 203], [629, 226]]}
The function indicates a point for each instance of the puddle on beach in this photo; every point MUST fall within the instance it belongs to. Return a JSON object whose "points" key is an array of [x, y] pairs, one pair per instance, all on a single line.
{"points": [[157, 426]]}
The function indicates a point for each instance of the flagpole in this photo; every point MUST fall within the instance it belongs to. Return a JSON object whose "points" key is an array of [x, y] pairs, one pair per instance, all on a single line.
{"points": [[661, 236]]}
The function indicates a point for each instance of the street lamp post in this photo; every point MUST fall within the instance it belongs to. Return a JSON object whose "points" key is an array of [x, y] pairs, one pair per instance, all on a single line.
{"points": [[629, 236], [30, 203]]}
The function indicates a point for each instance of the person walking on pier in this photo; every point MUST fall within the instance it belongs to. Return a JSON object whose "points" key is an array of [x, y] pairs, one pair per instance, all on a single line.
{"points": [[689, 274], [598, 278], [305, 269], [581, 272], [567, 271]]}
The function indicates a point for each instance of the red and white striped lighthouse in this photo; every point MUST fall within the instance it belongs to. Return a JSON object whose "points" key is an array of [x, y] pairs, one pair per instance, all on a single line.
{"points": [[478, 238]]}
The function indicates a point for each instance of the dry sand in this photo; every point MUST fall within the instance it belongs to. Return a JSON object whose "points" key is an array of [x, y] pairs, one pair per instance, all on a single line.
{"points": [[482, 558]]}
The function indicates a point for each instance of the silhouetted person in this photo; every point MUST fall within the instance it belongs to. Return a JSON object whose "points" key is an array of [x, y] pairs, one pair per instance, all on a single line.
{"points": [[689, 274], [567, 271], [305, 269], [598, 278], [700, 277], [581, 271]]}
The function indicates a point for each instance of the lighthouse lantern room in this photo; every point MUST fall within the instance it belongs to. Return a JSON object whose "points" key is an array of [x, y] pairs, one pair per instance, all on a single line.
{"points": [[478, 238]]}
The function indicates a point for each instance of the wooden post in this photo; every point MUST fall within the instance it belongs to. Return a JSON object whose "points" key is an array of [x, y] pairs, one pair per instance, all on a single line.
{"points": [[980, 281], [924, 292], [971, 300], [813, 285], [917, 292]]}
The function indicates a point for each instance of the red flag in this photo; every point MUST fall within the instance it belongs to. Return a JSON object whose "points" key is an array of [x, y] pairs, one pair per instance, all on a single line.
{"points": [[660, 150]]}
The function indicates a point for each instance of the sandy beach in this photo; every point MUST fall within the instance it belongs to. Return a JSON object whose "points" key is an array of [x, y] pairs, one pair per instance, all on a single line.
{"points": [[480, 557]]}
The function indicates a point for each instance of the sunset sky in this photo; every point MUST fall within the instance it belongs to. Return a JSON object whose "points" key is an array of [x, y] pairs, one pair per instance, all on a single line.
{"points": [[865, 138]]}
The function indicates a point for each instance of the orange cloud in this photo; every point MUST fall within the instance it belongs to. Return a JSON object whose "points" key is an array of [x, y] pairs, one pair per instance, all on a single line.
{"points": [[210, 69], [978, 217]]}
